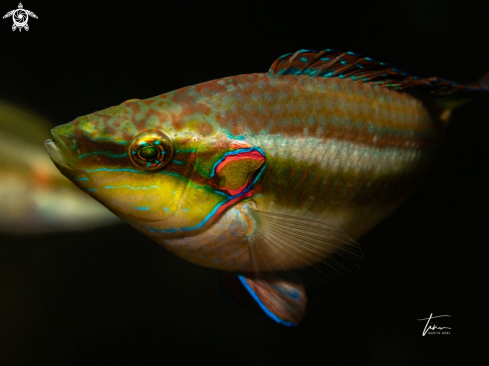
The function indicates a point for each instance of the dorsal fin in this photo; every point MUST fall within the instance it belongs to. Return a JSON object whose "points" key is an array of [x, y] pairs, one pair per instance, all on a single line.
{"points": [[336, 63]]}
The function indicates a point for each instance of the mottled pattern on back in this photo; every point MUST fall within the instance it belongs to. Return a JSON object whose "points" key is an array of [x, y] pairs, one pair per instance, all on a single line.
{"points": [[345, 143]]}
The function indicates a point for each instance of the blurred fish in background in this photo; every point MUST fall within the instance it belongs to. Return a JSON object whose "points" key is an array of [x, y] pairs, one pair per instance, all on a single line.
{"points": [[34, 196]]}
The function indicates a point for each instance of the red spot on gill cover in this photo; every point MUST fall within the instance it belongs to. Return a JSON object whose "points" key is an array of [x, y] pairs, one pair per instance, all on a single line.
{"points": [[246, 155], [255, 156]]}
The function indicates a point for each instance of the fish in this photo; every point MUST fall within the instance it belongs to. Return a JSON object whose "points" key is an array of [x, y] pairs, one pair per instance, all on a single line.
{"points": [[264, 175], [34, 196]]}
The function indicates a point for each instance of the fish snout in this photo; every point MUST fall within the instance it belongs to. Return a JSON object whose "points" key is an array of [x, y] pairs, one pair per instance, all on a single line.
{"points": [[60, 147]]}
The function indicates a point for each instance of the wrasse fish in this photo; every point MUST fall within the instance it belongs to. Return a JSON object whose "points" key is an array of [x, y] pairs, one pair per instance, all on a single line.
{"points": [[34, 196], [260, 175]]}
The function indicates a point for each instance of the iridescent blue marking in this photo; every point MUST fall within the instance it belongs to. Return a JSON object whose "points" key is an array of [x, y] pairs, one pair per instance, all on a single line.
{"points": [[144, 208], [324, 59], [343, 62], [399, 71], [293, 293], [235, 152], [328, 74], [131, 187], [306, 50], [239, 137], [153, 230], [157, 142], [287, 54], [185, 151], [262, 305], [206, 219], [102, 153], [247, 189], [78, 178], [303, 59], [91, 189], [221, 193]]}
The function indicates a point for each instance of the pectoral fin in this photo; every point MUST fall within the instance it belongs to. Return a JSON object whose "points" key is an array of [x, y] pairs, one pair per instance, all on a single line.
{"points": [[282, 242], [279, 244]]}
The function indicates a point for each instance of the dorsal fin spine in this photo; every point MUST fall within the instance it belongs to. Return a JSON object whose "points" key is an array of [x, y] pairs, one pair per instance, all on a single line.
{"points": [[336, 63]]}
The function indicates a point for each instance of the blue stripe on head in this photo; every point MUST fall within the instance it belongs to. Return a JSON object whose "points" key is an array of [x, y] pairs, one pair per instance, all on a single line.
{"points": [[131, 187], [102, 153]]}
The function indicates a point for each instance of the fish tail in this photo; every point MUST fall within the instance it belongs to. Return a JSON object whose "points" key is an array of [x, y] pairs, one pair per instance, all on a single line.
{"points": [[462, 95]]}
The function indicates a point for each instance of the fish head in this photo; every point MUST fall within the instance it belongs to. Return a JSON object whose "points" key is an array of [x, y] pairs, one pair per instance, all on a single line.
{"points": [[161, 179]]}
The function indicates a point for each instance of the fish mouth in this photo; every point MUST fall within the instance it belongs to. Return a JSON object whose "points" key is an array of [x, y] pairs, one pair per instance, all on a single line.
{"points": [[53, 146]]}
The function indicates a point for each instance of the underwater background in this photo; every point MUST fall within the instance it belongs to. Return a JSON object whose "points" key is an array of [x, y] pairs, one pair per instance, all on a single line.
{"points": [[109, 296]]}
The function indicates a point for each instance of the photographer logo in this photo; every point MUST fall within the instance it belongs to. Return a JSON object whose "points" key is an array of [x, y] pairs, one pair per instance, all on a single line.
{"points": [[431, 328], [20, 17]]}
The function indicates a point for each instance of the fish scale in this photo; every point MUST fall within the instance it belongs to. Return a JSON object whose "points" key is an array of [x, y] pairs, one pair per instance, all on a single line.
{"points": [[282, 140], [265, 174]]}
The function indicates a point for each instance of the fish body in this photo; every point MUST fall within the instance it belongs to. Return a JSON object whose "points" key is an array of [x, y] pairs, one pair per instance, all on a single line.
{"points": [[263, 173], [360, 152]]}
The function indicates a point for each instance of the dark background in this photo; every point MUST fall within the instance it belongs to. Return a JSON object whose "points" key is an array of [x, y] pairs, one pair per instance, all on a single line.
{"points": [[112, 297]]}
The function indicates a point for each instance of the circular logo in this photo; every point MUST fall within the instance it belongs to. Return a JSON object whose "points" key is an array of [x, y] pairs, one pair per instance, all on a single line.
{"points": [[20, 17]]}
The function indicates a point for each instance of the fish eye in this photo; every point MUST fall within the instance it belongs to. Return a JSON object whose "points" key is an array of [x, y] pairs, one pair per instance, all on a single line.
{"points": [[151, 150]]}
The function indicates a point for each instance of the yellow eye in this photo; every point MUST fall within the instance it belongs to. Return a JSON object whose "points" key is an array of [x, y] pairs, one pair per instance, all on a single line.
{"points": [[151, 150]]}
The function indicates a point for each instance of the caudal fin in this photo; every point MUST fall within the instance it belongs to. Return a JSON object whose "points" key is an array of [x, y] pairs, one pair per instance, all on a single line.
{"points": [[462, 95]]}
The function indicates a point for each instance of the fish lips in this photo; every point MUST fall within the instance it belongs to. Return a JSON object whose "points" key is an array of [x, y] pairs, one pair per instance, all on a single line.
{"points": [[58, 150]]}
